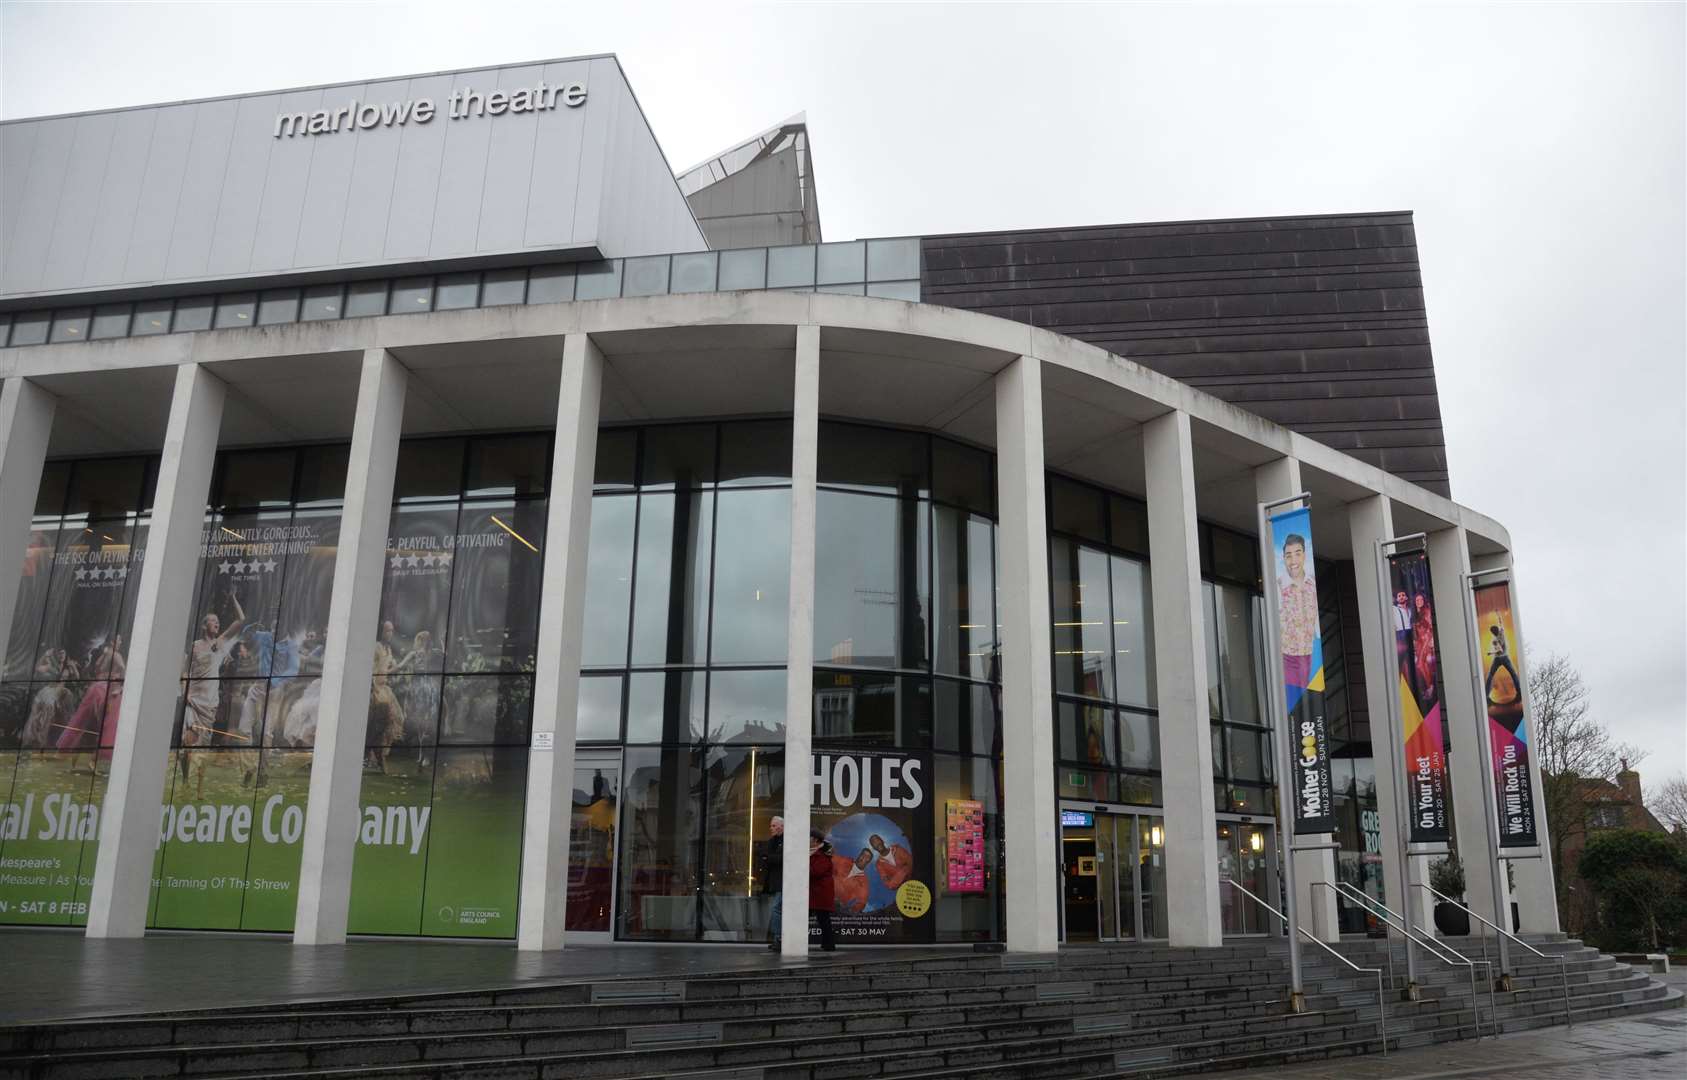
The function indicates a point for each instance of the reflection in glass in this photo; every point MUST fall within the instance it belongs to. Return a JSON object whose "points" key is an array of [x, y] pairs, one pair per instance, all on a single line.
{"points": [[871, 594], [664, 707], [1133, 635], [874, 710], [671, 593], [873, 459], [609, 582], [485, 710], [1086, 734], [497, 568], [752, 577], [1083, 660], [746, 789], [1151, 877], [1237, 653], [1209, 626], [755, 452], [967, 717], [963, 581], [747, 706], [1139, 741], [678, 456], [591, 846], [660, 827], [598, 714]]}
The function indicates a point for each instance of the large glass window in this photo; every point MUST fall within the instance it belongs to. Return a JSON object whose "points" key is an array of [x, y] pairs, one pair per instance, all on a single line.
{"points": [[62, 683], [1233, 624], [1103, 644], [687, 607]]}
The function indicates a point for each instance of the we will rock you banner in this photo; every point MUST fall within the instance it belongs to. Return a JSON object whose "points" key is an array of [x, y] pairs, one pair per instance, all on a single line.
{"points": [[1300, 643], [1508, 728], [1418, 664]]}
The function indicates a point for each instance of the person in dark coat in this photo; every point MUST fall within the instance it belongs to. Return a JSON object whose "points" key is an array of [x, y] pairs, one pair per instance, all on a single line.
{"points": [[821, 896], [772, 876]]}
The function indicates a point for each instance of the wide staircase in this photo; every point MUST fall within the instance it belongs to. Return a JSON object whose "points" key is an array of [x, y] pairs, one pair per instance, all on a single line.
{"points": [[1124, 1011]]}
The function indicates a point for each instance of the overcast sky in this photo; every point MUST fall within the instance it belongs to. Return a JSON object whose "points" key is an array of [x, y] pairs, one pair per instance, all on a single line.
{"points": [[1541, 148]]}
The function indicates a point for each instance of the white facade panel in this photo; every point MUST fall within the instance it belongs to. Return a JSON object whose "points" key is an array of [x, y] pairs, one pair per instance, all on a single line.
{"points": [[415, 188], [17, 147], [201, 189], [331, 162], [114, 219], [155, 212], [462, 178], [363, 234], [277, 235], [31, 235], [243, 187], [78, 199], [219, 190], [509, 169], [553, 200]]}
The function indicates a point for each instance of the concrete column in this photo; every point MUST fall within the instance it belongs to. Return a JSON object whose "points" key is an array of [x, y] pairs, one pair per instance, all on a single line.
{"points": [[799, 644], [1369, 520], [26, 421], [556, 684], [354, 605], [1029, 810], [1180, 669], [1274, 480], [1535, 891], [1449, 559], [134, 792]]}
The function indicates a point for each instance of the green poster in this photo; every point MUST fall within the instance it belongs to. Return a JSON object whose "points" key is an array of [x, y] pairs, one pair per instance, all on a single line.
{"points": [[207, 826], [474, 862], [392, 849], [272, 871], [42, 827]]}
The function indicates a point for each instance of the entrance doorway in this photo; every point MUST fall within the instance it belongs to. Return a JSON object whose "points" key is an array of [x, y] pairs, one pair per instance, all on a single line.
{"points": [[1113, 875], [1246, 853], [592, 848]]}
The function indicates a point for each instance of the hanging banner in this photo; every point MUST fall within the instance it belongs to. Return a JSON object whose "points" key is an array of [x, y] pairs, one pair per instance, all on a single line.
{"points": [[1508, 729], [1418, 662], [1299, 641]]}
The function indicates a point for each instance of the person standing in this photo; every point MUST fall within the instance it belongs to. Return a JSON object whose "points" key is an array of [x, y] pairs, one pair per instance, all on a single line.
{"points": [[820, 893], [773, 879], [1297, 613]]}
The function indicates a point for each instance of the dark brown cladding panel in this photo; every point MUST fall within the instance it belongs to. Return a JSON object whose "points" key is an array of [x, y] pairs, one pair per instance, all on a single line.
{"points": [[1316, 323]]}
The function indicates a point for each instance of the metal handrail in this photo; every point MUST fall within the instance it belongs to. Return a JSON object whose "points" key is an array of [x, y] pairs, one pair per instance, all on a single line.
{"points": [[1563, 961], [1382, 1007], [1442, 952]]}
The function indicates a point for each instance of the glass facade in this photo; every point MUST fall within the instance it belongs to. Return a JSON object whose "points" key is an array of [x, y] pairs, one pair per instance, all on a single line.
{"points": [[684, 665], [682, 704], [62, 683], [907, 724], [1107, 729]]}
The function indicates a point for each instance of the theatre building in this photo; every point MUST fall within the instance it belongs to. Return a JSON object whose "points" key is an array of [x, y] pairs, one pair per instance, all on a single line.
{"points": [[424, 512]]}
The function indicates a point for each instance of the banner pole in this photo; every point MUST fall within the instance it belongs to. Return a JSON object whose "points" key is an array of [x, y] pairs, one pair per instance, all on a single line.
{"points": [[1393, 737], [1280, 750], [1490, 795]]}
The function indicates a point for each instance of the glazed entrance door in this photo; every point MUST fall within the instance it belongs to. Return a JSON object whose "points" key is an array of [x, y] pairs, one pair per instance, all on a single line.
{"points": [[1098, 868], [591, 847]]}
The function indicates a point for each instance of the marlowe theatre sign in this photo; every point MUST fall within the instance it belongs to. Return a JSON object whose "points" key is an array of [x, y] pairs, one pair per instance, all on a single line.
{"points": [[460, 104]]}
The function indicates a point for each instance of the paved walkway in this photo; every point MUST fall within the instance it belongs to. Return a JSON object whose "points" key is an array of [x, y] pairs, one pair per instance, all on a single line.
{"points": [[58, 976], [1649, 1047]]}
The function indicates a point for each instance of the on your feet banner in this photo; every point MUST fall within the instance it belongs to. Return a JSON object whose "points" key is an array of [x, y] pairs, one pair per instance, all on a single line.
{"points": [[1300, 644], [1508, 728], [1418, 662]]}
